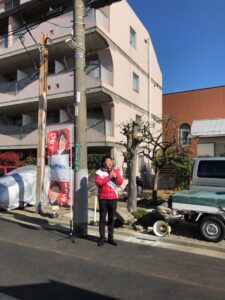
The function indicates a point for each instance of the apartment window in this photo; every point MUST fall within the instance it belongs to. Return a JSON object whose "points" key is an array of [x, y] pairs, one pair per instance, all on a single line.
{"points": [[184, 132], [93, 67], [138, 119], [14, 120], [132, 37], [135, 82], [11, 4], [53, 117]]}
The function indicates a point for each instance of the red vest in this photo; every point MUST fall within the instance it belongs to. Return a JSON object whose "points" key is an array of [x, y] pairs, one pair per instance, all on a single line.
{"points": [[106, 185]]}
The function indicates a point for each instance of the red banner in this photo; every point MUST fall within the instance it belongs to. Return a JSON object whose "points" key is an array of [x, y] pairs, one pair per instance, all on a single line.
{"points": [[58, 142], [59, 162]]}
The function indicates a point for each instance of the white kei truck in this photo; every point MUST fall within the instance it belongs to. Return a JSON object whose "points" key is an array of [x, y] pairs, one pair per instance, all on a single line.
{"points": [[204, 203]]}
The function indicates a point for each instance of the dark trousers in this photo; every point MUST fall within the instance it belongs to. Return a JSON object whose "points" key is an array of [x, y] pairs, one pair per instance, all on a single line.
{"points": [[107, 206]]}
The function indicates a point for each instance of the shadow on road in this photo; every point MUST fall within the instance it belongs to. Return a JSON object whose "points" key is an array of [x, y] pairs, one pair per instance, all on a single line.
{"points": [[51, 290], [58, 230], [186, 229]]}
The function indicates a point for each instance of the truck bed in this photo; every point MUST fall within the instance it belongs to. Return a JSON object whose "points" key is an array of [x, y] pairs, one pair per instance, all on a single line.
{"points": [[199, 201]]}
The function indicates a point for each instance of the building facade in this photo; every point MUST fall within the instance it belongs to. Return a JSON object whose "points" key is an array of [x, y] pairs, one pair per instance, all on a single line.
{"points": [[200, 114], [123, 78]]}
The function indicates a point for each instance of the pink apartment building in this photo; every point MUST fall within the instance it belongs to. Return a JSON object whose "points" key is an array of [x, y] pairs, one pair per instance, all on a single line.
{"points": [[123, 77]]}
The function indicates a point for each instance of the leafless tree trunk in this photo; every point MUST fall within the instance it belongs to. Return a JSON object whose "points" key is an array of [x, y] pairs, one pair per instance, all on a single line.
{"points": [[132, 189], [133, 140], [155, 186]]}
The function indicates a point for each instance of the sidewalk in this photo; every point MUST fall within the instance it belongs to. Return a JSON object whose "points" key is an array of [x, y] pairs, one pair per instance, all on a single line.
{"points": [[175, 241]]}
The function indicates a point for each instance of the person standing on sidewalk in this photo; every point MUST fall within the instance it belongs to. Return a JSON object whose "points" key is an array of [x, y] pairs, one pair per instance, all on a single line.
{"points": [[107, 178]]}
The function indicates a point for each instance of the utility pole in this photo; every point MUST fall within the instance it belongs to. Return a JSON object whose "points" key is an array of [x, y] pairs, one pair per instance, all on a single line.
{"points": [[80, 205], [42, 113]]}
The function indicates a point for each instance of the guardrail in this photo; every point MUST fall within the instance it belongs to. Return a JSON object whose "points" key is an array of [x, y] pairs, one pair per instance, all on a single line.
{"points": [[4, 170]]}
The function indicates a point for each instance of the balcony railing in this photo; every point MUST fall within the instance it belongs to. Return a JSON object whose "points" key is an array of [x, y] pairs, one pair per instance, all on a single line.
{"points": [[16, 86], [54, 29], [95, 79], [96, 17], [3, 41], [96, 129]]}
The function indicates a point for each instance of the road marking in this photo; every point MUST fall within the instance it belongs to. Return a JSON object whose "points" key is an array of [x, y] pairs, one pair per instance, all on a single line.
{"points": [[7, 297]]}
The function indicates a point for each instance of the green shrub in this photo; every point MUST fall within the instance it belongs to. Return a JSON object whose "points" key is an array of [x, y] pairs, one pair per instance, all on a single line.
{"points": [[139, 213], [94, 161], [30, 160], [146, 195]]}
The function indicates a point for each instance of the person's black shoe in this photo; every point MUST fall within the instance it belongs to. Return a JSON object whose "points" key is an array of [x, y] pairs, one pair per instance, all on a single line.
{"points": [[100, 242], [112, 242]]}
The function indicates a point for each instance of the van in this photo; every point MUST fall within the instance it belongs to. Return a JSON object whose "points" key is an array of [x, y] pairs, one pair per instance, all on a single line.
{"points": [[208, 174]]}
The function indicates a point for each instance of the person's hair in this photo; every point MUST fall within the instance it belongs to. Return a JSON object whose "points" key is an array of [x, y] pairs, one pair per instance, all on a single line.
{"points": [[62, 133], [104, 158], [55, 184]]}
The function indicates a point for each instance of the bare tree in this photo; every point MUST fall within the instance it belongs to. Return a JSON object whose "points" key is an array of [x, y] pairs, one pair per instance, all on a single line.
{"points": [[131, 131], [160, 140], [156, 141]]}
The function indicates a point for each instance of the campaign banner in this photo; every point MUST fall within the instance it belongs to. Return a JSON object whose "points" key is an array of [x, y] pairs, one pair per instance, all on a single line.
{"points": [[59, 193], [59, 166], [58, 143]]}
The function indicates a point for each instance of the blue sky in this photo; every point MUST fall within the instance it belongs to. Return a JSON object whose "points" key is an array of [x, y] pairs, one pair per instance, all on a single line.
{"points": [[189, 40]]}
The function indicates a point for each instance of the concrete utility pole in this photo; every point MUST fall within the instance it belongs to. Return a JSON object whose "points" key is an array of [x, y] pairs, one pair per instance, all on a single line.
{"points": [[80, 207], [42, 113]]}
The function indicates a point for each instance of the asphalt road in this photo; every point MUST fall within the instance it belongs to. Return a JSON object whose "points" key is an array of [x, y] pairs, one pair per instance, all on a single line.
{"points": [[44, 264]]}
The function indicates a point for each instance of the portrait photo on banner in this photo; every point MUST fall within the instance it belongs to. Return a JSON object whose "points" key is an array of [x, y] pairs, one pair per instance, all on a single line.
{"points": [[59, 193]]}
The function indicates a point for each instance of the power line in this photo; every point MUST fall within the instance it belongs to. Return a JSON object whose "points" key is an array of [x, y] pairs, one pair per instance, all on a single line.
{"points": [[25, 25], [34, 25], [59, 25], [31, 58], [38, 21]]}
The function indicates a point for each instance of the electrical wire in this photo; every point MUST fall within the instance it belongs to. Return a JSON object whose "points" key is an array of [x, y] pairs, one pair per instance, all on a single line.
{"points": [[59, 25], [25, 25], [32, 60], [36, 22]]}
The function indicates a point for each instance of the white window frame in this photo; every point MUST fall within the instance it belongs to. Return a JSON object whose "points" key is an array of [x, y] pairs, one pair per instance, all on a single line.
{"points": [[133, 37], [184, 133], [136, 83]]}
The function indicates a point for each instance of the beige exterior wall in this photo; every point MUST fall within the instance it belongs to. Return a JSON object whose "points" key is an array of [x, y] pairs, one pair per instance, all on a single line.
{"points": [[118, 61]]}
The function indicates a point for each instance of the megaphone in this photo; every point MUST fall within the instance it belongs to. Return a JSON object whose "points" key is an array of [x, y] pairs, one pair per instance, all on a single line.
{"points": [[161, 228]]}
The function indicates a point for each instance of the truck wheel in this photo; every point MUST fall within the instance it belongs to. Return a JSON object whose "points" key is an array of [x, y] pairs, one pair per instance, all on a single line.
{"points": [[212, 229]]}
